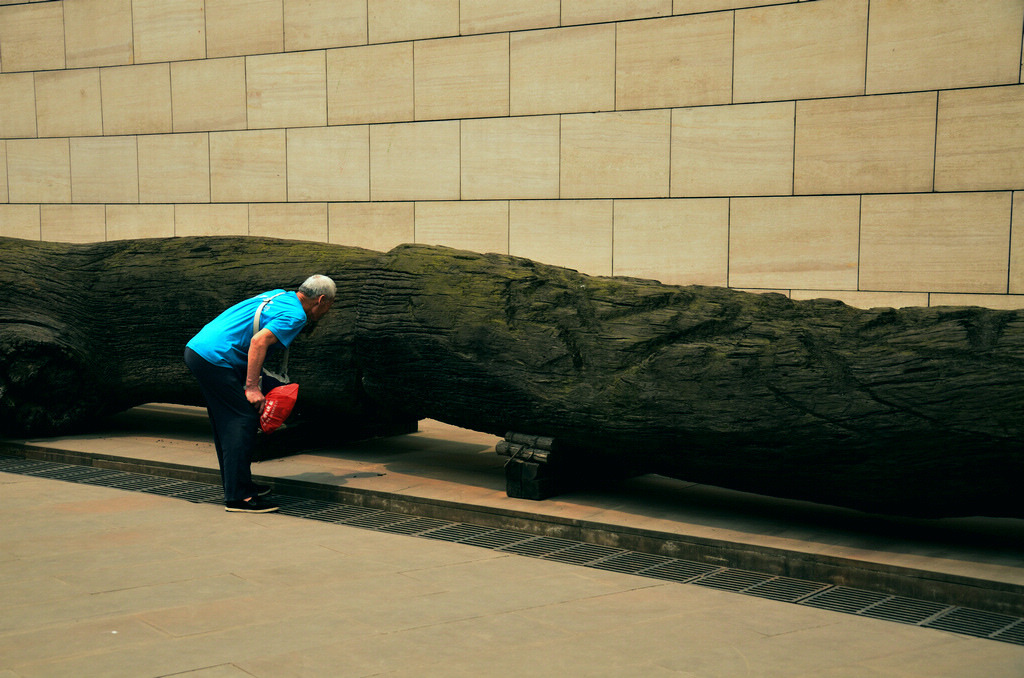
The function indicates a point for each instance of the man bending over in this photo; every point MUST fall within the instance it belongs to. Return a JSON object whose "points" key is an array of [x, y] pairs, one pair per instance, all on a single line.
{"points": [[226, 357]]}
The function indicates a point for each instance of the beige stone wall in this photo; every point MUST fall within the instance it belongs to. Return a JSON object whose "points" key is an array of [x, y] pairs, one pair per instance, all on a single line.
{"points": [[867, 150]]}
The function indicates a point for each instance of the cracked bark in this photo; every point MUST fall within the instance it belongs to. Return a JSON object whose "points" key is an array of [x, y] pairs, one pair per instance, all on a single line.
{"points": [[912, 411]]}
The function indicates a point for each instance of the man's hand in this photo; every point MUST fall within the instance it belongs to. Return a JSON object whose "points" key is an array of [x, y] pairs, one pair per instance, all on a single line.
{"points": [[255, 397]]}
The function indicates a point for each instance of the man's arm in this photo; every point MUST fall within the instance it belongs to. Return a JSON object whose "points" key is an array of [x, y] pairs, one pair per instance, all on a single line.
{"points": [[258, 348]]}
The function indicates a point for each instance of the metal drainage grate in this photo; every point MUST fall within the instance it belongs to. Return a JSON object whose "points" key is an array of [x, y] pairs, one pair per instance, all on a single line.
{"points": [[906, 610], [101, 476], [631, 562], [538, 547], [682, 571], [843, 599], [584, 554], [414, 526], [379, 520], [68, 473], [300, 507], [973, 623], [456, 532], [340, 513], [497, 539], [732, 580], [24, 466], [786, 590], [1014, 633], [140, 483], [174, 488]]}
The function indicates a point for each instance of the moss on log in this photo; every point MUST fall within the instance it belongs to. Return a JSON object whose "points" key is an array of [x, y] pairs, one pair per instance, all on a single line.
{"points": [[913, 411]]}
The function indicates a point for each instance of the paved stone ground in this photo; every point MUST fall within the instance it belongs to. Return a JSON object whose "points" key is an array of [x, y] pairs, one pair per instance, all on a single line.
{"points": [[102, 582]]}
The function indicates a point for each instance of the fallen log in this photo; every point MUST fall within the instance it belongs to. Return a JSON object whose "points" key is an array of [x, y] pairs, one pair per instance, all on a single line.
{"points": [[91, 330], [914, 411]]}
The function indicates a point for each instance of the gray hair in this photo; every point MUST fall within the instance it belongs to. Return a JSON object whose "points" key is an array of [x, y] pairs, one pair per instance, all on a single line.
{"points": [[318, 286]]}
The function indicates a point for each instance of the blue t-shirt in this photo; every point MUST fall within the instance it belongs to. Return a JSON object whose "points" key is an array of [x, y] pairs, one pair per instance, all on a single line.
{"points": [[224, 341]]}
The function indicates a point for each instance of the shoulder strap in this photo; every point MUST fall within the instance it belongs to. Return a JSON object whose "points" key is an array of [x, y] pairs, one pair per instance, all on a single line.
{"points": [[283, 376], [256, 318]]}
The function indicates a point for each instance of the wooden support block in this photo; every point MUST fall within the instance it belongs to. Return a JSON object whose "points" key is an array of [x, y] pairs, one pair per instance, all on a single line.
{"points": [[530, 480]]}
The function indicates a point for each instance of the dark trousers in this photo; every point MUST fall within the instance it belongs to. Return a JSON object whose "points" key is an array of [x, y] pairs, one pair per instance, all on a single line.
{"points": [[234, 422]]}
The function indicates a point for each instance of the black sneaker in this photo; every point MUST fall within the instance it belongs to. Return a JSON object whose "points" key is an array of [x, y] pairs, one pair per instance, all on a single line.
{"points": [[253, 505], [262, 490]]}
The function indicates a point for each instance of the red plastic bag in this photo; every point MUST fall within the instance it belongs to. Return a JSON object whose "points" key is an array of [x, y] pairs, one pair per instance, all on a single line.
{"points": [[280, 402]]}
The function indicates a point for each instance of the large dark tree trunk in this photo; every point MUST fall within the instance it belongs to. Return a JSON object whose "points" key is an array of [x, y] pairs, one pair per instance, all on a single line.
{"points": [[911, 411], [91, 330], [915, 411]]}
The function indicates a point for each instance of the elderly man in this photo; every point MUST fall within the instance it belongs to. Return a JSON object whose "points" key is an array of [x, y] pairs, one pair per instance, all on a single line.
{"points": [[226, 357]]}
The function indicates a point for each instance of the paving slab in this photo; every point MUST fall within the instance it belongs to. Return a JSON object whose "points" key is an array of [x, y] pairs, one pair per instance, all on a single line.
{"points": [[276, 596]]}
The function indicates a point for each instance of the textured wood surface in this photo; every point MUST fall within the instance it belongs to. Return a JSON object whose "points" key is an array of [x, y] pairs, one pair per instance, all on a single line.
{"points": [[911, 411], [89, 330], [917, 410]]}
